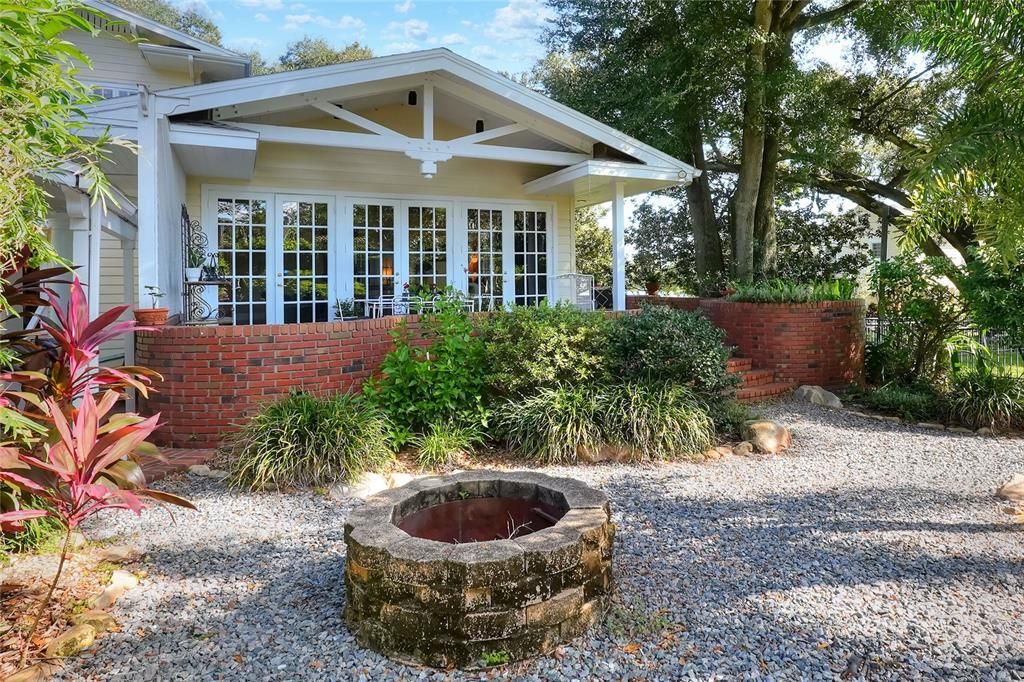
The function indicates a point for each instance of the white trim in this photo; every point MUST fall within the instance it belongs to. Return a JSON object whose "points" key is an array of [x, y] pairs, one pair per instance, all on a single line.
{"points": [[619, 247], [355, 119], [201, 57], [137, 20], [534, 110], [609, 169], [492, 134], [210, 136], [428, 112], [413, 147]]}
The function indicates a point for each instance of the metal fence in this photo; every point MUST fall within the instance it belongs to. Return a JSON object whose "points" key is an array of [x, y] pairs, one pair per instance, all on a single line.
{"points": [[1005, 355]]}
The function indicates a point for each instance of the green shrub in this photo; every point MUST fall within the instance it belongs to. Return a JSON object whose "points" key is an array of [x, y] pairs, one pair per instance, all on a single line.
{"points": [[443, 442], [980, 397], [728, 417], [920, 313], [529, 348], [432, 375], [913, 402], [656, 420], [36, 533], [674, 345], [306, 441], [786, 291]]}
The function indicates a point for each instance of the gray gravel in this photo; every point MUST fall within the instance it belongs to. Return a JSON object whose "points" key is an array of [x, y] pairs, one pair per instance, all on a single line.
{"points": [[869, 550]]}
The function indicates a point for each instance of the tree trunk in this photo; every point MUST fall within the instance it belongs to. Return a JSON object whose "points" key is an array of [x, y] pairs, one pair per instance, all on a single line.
{"points": [[707, 241], [766, 249], [752, 148]]}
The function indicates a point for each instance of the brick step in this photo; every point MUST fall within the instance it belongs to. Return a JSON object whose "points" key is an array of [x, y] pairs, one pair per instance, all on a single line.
{"points": [[764, 391], [737, 365], [757, 377]]}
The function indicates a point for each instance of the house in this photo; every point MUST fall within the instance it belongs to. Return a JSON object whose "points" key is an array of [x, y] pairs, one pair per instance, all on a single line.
{"points": [[341, 182]]}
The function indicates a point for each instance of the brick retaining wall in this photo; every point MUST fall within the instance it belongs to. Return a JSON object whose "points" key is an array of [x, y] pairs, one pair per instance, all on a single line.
{"points": [[216, 376], [809, 343]]}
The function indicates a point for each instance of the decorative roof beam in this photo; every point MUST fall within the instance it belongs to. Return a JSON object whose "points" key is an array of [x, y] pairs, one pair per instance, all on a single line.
{"points": [[356, 120], [493, 134]]}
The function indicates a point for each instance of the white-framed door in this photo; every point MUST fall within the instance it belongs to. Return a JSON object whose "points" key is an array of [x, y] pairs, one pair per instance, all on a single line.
{"points": [[426, 245], [509, 254], [242, 236], [303, 253], [375, 252]]}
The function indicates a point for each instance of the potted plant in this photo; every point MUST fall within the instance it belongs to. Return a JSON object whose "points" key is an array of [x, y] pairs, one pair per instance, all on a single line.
{"points": [[652, 283], [195, 259], [153, 316], [345, 309]]}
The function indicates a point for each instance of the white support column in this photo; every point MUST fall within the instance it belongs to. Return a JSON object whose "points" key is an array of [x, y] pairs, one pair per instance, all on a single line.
{"points": [[79, 213], [147, 244], [96, 217], [619, 248], [428, 112]]}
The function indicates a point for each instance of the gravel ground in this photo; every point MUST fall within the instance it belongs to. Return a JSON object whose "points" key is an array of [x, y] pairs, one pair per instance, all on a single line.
{"points": [[869, 550]]}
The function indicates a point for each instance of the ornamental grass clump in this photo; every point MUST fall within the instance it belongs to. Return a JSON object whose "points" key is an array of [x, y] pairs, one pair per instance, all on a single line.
{"points": [[444, 442], [979, 397], [652, 420], [305, 441]]}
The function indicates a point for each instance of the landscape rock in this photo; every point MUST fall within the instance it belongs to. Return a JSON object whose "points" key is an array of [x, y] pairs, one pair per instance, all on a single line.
{"points": [[369, 484], [74, 641], [743, 449], [605, 453], [77, 540], [101, 621], [1013, 489], [398, 479], [123, 579], [816, 395], [107, 598], [119, 554], [985, 431], [199, 470], [932, 425], [960, 429], [767, 436], [718, 452]]}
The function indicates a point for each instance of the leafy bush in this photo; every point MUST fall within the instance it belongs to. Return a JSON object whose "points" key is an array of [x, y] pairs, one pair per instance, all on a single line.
{"points": [[980, 397], [654, 420], [914, 402], [728, 417], [787, 291], [529, 348], [920, 312], [444, 442], [433, 375], [303, 440], [674, 345]]}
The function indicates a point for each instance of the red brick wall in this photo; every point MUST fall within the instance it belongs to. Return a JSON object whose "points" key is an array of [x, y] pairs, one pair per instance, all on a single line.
{"points": [[809, 343], [216, 376], [678, 302]]}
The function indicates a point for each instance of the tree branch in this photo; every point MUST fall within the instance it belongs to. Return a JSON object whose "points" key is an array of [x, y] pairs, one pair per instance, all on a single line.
{"points": [[805, 21]]}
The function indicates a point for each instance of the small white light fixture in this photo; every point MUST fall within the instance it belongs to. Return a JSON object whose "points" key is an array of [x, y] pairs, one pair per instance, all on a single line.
{"points": [[428, 169]]}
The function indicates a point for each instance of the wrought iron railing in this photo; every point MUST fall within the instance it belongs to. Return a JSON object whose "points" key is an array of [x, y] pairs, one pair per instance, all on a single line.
{"points": [[1006, 355]]}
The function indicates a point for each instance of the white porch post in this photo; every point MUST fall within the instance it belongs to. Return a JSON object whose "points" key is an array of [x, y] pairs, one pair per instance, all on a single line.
{"points": [[80, 214], [96, 218], [619, 248], [147, 244]]}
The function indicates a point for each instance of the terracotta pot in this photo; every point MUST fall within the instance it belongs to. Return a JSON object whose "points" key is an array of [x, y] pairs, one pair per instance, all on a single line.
{"points": [[652, 288], [151, 317]]}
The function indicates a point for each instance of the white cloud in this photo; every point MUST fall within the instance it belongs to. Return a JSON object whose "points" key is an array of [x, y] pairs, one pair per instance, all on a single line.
{"points": [[410, 29], [404, 7], [483, 52], [261, 17], [263, 4], [199, 7], [395, 48], [519, 19], [344, 23], [247, 43], [454, 39]]}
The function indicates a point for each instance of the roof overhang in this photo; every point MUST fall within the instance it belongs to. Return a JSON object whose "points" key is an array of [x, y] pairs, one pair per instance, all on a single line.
{"points": [[214, 150], [214, 67], [593, 182]]}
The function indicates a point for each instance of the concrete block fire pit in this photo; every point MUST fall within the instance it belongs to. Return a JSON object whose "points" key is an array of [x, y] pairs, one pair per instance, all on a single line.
{"points": [[479, 566]]}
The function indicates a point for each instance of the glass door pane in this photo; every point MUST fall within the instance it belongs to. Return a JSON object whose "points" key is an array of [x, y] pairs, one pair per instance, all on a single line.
{"points": [[242, 252], [373, 253], [428, 249], [530, 244], [304, 252], [484, 269]]}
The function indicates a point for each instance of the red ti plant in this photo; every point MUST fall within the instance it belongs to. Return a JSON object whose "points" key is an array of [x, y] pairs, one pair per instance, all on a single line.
{"points": [[88, 459]]}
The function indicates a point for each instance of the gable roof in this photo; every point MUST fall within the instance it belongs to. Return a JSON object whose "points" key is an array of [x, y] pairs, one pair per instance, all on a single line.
{"points": [[449, 72], [137, 20]]}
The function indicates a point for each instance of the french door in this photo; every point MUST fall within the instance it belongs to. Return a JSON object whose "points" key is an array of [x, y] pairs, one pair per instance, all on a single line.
{"points": [[507, 252], [304, 260]]}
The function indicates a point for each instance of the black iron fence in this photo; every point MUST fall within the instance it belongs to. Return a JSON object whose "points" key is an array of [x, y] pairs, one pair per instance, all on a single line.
{"points": [[1005, 355]]}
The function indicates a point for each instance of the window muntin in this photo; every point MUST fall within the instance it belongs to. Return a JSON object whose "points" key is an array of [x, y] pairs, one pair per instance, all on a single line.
{"points": [[242, 254], [428, 248], [305, 255], [530, 235], [484, 269], [373, 253]]}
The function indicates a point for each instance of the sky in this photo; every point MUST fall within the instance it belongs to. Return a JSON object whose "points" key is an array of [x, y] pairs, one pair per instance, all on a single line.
{"points": [[502, 35]]}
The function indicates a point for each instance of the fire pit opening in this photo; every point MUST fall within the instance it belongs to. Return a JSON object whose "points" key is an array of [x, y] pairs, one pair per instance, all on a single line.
{"points": [[480, 519], [449, 571]]}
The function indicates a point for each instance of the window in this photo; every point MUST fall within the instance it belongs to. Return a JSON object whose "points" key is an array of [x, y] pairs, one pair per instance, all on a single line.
{"points": [[428, 249], [242, 251], [373, 253], [113, 90], [305, 252], [876, 250], [530, 231], [486, 241]]}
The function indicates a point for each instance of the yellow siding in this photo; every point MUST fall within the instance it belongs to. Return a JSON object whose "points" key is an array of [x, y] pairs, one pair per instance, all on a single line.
{"points": [[117, 60]]}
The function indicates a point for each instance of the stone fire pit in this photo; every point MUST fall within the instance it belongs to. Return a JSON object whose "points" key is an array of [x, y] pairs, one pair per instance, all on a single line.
{"points": [[459, 570]]}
